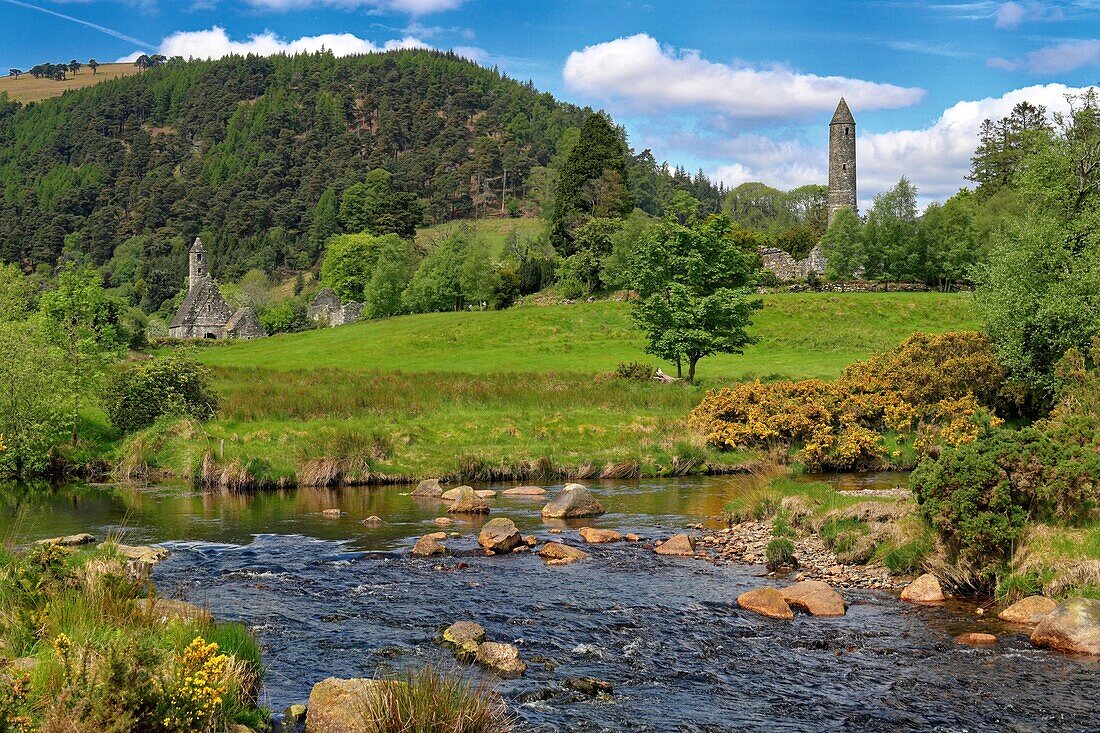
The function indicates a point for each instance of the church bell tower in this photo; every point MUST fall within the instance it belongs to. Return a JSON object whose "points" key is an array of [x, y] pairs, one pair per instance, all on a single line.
{"points": [[197, 264]]}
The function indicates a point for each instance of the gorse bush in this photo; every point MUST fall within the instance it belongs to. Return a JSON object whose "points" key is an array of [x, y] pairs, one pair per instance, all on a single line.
{"points": [[170, 385], [841, 425]]}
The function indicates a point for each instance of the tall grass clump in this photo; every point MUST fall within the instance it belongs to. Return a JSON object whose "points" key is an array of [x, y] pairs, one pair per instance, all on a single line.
{"points": [[430, 700]]}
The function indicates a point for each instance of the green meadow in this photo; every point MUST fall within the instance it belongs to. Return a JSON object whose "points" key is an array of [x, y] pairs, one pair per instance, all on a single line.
{"points": [[521, 393]]}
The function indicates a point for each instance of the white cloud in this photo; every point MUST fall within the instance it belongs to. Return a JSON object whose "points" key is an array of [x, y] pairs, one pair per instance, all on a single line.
{"points": [[643, 74], [413, 7], [936, 158], [1009, 15], [1054, 59], [216, 43], [473, 53]]}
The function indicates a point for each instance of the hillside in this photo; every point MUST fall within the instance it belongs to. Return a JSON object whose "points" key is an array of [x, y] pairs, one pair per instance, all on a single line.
{"points": [[240, 150], [29, 89]]}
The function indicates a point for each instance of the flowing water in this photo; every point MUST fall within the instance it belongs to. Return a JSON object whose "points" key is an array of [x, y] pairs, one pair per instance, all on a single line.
{"points": [[332, 597]]}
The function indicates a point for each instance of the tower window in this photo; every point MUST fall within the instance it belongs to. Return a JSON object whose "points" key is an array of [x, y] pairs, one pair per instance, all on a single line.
{"points": [[844, 167], [846, 131]]}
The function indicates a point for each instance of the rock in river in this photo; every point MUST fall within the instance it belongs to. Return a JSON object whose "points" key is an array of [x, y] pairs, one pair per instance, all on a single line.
{"points": [[766, 602], [525, 491], [141, 553], [589, 686], [596, 536], [428, 489], [814, 597], [464, 637], [925, 589], [500, 658], [500, 536], [1030, 610], [339, 706], [467, 502], [1073, 627], [681, 545], [976, 638], [428, 546], [73, 540], [555, 553], [573, 501]]}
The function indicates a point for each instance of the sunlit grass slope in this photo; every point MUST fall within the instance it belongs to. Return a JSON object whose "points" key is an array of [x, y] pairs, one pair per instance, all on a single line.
{"points": [[28, 89], [799, 335]]}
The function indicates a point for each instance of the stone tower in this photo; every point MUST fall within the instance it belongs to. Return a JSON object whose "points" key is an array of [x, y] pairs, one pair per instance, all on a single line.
{"points": [[197, 263], [842, 160]]}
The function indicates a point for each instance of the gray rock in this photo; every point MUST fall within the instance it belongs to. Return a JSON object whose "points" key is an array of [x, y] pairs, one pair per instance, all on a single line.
{"points": [[503, 659], [428, 489], [573, 501], [499, 536], [1072, 627], [429, 546], [467, 502], [72, 540], [340, 706], [464, 637]]}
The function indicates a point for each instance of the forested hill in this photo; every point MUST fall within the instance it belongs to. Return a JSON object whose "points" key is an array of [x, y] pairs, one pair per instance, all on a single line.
{"points": [[242, 150]]}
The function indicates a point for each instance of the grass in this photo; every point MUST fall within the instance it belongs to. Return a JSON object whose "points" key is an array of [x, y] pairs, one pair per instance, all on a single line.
{"points": [[431, 699], [493, 232], [524, 393], [28, 89], [100, 662]]}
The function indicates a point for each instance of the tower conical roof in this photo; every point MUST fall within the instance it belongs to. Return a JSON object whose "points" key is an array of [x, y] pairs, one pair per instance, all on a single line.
{"points": [[843, 115], [197, 246]]}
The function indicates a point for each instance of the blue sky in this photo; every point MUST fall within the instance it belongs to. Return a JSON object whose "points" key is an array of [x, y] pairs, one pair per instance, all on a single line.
{"points": [[742, 90]]}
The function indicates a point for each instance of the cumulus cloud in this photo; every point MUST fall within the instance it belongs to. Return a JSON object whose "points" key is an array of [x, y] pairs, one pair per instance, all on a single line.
{"points": [[216, 43], [413, 7], [936, 158], [1009, 15], [1054, 59], [644, 74]]}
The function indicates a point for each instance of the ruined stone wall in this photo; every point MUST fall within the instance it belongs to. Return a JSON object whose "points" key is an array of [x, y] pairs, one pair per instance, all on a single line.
{"points": [[787, 268]]}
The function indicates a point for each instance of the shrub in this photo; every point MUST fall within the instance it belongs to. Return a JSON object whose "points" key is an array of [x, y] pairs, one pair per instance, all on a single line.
{"points": [[170, 385], [286, 316], [780, 554], [634, 371]]}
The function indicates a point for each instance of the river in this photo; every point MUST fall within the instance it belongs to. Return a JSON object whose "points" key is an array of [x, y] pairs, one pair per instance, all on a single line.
{"points": [[333, 597]]}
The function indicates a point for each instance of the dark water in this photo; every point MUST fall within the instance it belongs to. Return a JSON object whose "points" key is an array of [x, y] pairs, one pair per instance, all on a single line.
{"points": [[331, 597]]}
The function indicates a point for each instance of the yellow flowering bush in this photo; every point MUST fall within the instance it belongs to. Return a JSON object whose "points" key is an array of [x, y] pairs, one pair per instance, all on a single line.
{"points": [[923, 392], [196, 689]]}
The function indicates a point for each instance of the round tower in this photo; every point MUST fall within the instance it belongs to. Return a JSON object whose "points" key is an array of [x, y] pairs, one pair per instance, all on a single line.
{"points": [[197, 264], [842, 160]]}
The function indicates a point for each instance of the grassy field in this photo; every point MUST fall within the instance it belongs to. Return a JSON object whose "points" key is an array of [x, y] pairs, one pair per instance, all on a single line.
{"points": [[800, 335], [493, 232], [28, 89], [522, 393]]}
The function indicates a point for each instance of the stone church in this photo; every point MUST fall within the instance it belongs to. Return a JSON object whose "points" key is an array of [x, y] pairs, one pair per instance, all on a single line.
{"points": [[204, 314], [842, 195]]}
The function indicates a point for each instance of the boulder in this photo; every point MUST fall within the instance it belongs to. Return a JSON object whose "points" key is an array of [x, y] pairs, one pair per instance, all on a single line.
{"points": [[295, 715], [340, 706], [485, 493], [443, 521], [72, 540], [596, 536], [428, 546], [573, 501], [766, 602], [589, 686], [500, 658], [975, 638], [428, 489], [467, 502], [814, 597], [140, 553], [464, 637], [555, 553], [531, 540], [331, 512], [499, 535], [168, 609], [1030, 610], [525, 491], [1073, 627], [452, 494], [681, 545], [632, 537], [925, 589], [373, 521]]}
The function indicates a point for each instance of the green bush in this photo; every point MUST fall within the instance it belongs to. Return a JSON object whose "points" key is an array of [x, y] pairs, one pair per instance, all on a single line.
{"points": [[634, 371], [287, 316], [979, 496], [170, 385], [780, 554]]}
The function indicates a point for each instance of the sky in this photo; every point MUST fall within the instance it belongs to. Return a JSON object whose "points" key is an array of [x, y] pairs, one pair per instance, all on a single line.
{"points": [[741, 90]]}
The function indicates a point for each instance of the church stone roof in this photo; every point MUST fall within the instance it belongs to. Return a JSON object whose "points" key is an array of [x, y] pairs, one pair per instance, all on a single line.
{"points": [[203, 306], [843, 115]]}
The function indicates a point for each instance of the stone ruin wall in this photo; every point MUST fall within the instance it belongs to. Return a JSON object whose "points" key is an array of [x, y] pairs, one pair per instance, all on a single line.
{"points": [[787, 268]]}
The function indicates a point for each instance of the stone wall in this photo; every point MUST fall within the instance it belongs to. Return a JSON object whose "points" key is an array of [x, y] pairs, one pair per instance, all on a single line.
{"points": [[327, 309], [787, 268]]}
